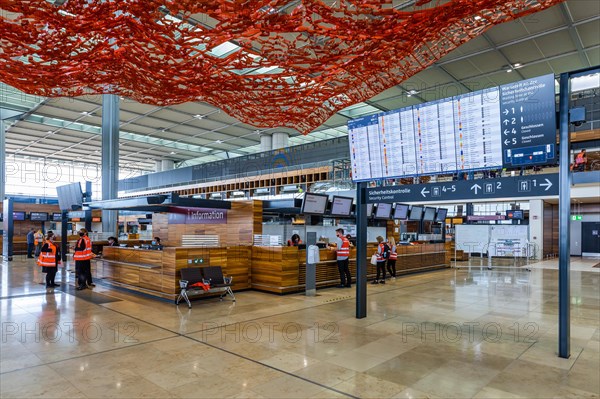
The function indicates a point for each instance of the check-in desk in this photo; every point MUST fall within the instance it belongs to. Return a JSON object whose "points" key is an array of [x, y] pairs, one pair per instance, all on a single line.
{"points": [[283, 269], [157, 272]]}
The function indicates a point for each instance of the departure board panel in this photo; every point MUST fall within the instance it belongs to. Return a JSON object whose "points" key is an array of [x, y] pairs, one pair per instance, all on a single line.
{"points": [[492, 128]]}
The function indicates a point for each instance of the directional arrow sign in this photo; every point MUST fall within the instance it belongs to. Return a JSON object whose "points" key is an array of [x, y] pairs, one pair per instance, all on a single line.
{"points": [[548, 184], [529, 186]]}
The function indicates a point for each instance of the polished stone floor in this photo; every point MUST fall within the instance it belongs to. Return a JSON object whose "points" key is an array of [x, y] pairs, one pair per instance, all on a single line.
{"points": [[457, 333]]}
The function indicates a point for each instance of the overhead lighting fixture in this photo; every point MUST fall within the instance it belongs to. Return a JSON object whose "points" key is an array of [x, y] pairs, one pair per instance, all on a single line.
{"points": [[477, 17], [198, 116], [238, 194], [517, 65], [411, 93], [219, 141], [215, 196], [172, 153], [289, 189], [261, 191]]}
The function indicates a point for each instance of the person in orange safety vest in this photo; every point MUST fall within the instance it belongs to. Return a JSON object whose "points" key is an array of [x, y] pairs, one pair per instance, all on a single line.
{"points": [[342, 255], [49, 260], [83, 265]]}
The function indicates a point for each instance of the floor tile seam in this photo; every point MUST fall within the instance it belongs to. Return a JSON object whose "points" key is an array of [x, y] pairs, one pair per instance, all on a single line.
{"points": [[273, 368], [17, 296], [87, 354]]}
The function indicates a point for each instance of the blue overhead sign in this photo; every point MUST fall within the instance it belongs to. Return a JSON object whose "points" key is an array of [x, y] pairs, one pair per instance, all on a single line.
{"points": [[512, 125], [528, 110], [472, 190]]}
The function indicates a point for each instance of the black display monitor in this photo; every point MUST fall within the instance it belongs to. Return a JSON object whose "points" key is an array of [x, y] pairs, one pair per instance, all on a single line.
{"points": [[57, 217], [416, 213], [517, 214], [369, 210], [429, 214], [441, 215], [18, 215], [314, 204], [38, 216], [70, 197], [383, 211], [341, 206], [401, 211]]}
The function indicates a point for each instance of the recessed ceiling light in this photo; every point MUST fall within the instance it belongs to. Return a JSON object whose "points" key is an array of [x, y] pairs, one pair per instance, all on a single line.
{"points": [[198, 116], [219, 141], [509, 70], [172, 153], [50, 132]]}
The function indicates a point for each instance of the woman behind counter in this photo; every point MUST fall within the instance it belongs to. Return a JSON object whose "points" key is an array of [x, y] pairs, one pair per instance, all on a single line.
{"points": [[156, 244], [294, 241]]}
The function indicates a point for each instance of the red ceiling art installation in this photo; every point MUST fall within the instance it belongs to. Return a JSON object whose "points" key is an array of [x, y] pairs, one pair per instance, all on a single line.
{"points": [[267, 63]]}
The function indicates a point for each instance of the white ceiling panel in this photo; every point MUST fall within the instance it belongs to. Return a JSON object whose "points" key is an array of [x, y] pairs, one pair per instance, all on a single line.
{"points": [[556, 43]]}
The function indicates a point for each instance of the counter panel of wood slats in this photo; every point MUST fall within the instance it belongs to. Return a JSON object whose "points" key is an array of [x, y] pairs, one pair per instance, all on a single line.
{"points": [[157, 272], [283, 269]]}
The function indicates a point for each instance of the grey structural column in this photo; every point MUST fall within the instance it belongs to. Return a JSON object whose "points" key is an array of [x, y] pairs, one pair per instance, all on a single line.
{"points": [[2, 159], [279, 140], [361, 251], [564, 210], [110, 158]]}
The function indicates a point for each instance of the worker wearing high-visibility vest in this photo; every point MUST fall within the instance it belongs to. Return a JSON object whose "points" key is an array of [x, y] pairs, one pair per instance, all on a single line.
{"points": [[342, 256], [49, 260], [83, 265]]}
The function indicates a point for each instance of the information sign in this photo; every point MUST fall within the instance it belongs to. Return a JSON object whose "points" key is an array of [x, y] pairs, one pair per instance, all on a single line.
{"points": [[508, 126], [482, 189]]}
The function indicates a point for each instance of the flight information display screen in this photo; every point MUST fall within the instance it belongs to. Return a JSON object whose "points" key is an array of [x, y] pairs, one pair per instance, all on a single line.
{"points": [[505, 126]]}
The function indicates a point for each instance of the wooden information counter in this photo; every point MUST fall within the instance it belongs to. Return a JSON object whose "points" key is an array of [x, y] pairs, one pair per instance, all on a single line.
{"points": [[273, 269], [283, 269], [157, 272]]}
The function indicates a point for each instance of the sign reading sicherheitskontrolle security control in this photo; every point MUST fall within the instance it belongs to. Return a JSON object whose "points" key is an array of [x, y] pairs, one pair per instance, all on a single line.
{"points": [[506, 187]]}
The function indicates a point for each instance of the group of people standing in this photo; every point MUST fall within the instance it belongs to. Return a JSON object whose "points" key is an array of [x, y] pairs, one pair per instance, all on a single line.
{"points": [[386, 254], [49, 258]]}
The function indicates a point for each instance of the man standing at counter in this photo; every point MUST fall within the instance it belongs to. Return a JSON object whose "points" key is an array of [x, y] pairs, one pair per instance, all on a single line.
{"points": [[83, 256], [343, 252]]}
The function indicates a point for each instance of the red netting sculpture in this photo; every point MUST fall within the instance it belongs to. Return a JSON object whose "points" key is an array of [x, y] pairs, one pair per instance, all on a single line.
{"points": [[267, 63]]}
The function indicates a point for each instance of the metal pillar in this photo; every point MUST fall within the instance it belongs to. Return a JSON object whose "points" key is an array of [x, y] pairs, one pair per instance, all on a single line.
{"points": [[564, 206], [7, 229], [361, 251], [2, 160], [110, 158], [87, 197]]}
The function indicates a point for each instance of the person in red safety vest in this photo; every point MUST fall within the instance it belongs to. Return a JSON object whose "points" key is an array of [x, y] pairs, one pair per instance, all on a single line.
{"points": [[382, 255], [391, 263], [83, 265], [49, 260], [342, 255]]}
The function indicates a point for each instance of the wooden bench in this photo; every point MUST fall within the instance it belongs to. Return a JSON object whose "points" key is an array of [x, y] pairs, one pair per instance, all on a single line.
{"points": [[195, 280]]}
